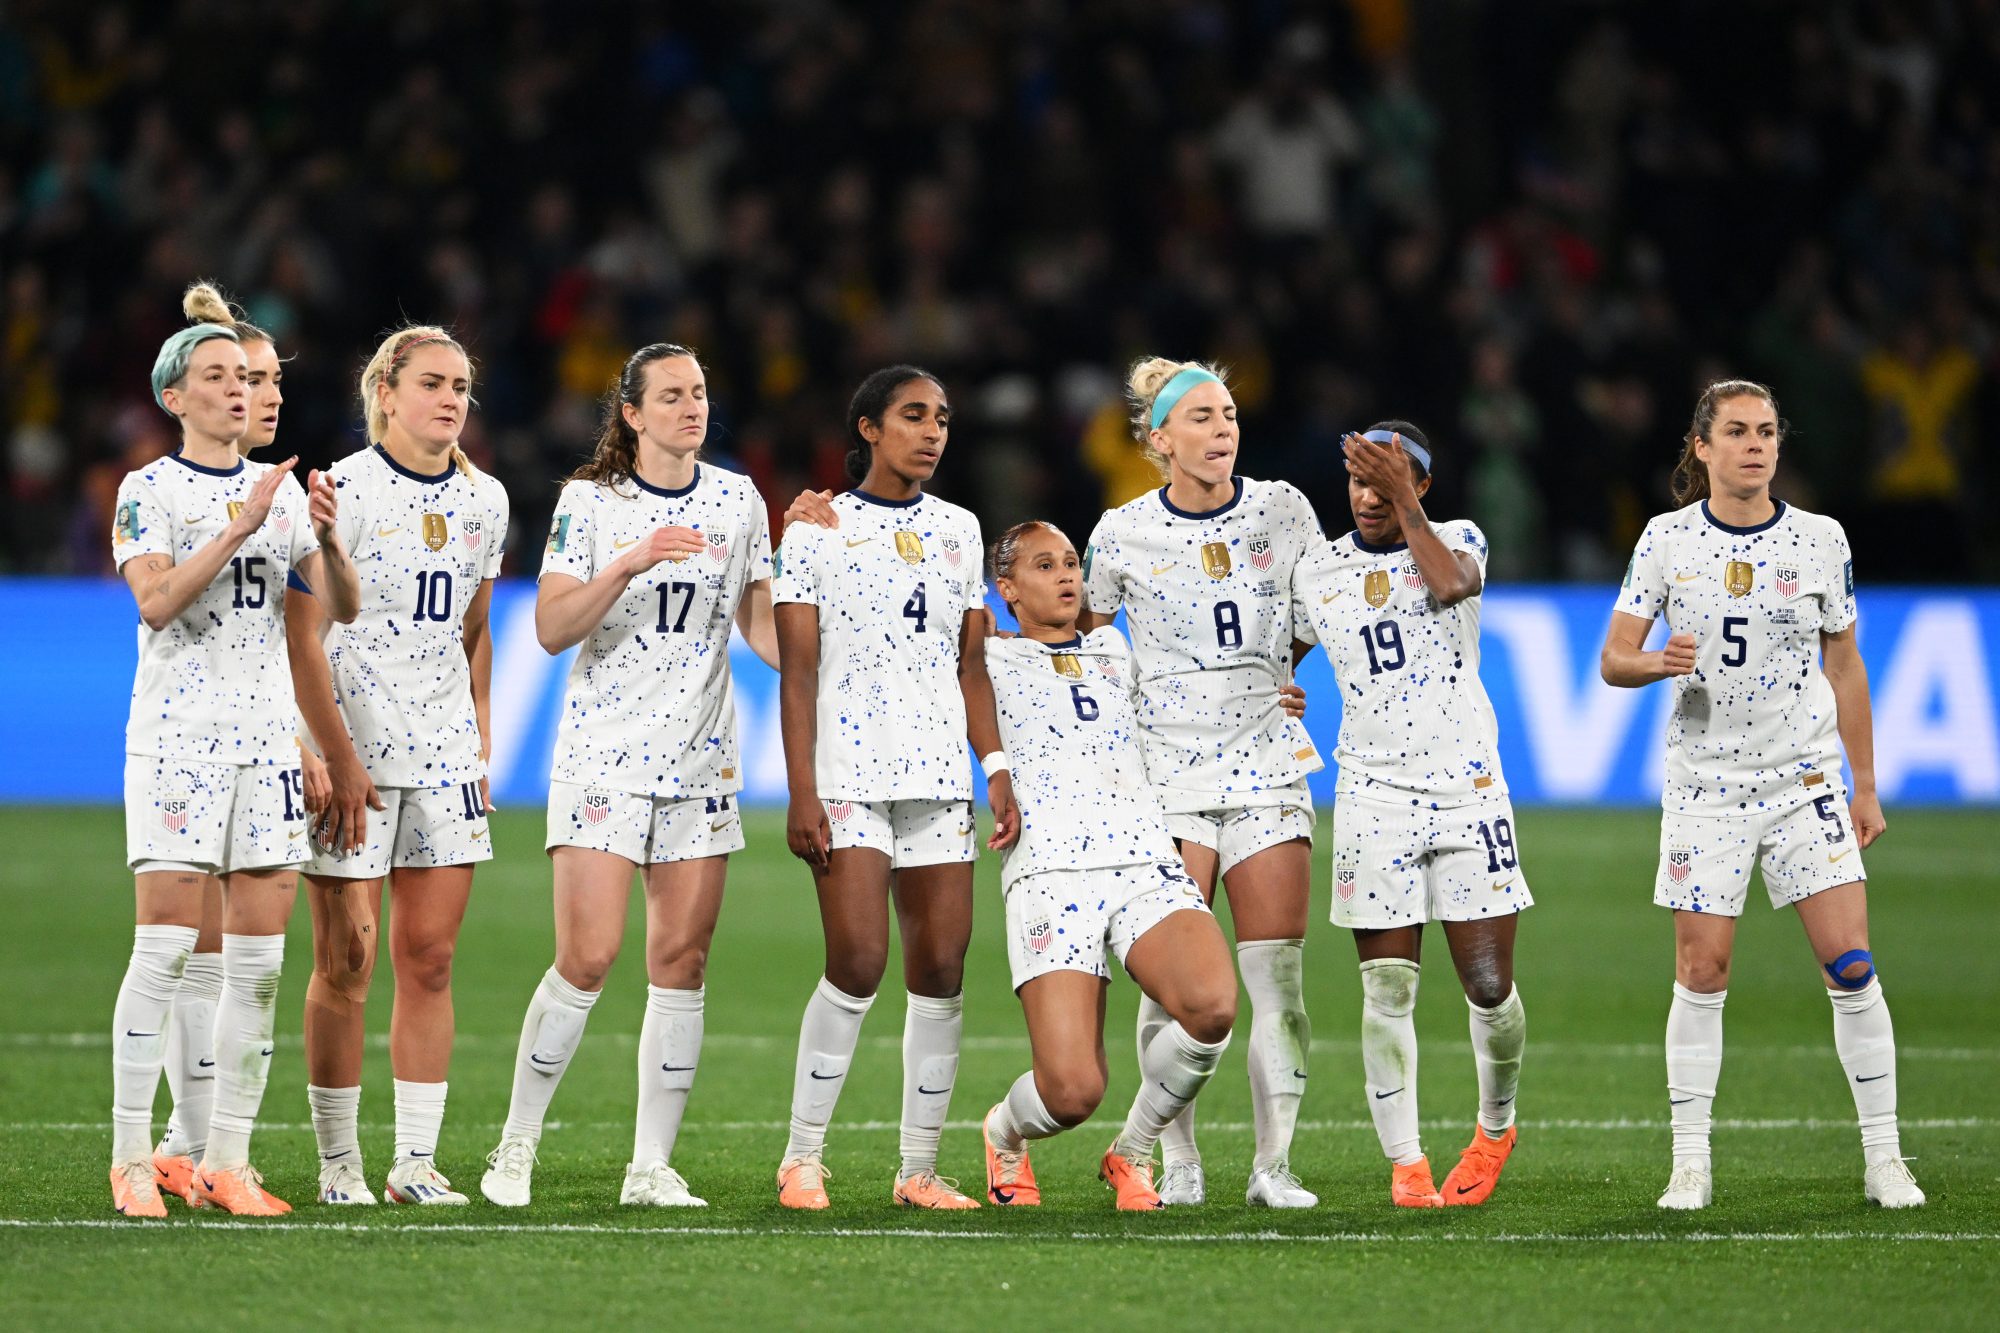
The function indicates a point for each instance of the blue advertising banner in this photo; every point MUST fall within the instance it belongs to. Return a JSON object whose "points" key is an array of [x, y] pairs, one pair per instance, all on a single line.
{"points": [[1933, 660]]}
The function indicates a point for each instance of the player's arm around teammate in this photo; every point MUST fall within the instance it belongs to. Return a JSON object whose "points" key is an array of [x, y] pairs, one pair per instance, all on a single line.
{"points": [[1094, 872], [879, 625], [651, 555], [1203, 569], [1754, 591], [206, 540], [397, 713], [1423, 830]]}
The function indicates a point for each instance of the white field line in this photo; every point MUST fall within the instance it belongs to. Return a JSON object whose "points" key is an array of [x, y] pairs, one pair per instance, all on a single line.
{"points": [[1116, 1237], [1207, 1126], [1584, 1050]]}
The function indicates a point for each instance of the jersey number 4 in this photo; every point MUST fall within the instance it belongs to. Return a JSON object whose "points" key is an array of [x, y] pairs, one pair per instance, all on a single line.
{"points": [[917, 609]]}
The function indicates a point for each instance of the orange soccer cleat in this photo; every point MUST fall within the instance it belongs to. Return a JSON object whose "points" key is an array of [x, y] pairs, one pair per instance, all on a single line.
{"points": [[174, 1174], [238, 1190], [1010, 1179], [1132, 1180], [1410, 1186], [802, 1183], [928, 1189], [1478, 1169], [133, 1192]]}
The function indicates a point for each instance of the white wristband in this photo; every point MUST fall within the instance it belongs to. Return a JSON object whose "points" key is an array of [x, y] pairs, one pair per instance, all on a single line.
{"points": [[994, 763]]}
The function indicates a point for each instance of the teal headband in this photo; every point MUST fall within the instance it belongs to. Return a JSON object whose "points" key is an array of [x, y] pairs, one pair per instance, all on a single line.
{"points": [[170, 367], [1176, 388]]}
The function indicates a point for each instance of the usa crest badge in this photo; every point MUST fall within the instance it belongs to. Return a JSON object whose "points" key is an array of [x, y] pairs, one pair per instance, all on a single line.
{"points": [[1041, 936], [472, 532], [718, 547], [951, 551], [1343, 883], [1066, 664], [1215, 559], [1261, 554], [1375, 587], [596, 807], [1786, 581], [910, 547], [436, 531], [1412, 576], [1739, 576], [1679, 862], [174, 814], [838, 811]]}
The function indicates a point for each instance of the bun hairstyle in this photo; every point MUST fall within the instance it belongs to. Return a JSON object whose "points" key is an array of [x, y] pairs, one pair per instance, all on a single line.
{"points": [[386, 367], [1142, 387], [1690, 480], [204, 303], [616, 456], [212, 319], [870, 403]]}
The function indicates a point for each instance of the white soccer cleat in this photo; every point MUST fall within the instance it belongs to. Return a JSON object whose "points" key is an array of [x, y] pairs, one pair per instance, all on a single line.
{"points": [[418, 1181], [510, 1170], [343, 1183], [1890, 1184], [657, 1185], [1182, 1185], [1275, 1186], [1690, 1187]]}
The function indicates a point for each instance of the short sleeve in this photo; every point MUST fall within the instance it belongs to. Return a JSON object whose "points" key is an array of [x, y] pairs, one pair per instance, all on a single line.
{"points": [[299, 510], [1102, 562], [757, 567], [348, 520], [569, 550], [140, 525], [1644, 593], [795, 567], [496, 534], [1302, 623], [975, 566], [1464, 535], [1839, 611]]}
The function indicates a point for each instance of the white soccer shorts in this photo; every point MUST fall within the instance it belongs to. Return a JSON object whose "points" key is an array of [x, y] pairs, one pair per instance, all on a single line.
{"points": [[1065, 920], [1705, 861], [1237, 833], [212, 818], [909, 833], [423, 827], [1400, 865], [645, 830]]}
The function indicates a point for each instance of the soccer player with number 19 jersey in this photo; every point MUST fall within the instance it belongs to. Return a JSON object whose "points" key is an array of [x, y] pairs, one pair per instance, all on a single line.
{"points": [[1768, 688]]}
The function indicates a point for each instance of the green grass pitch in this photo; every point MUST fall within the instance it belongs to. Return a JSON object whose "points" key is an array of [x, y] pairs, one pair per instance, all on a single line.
{"points": [[1571, 1238]]}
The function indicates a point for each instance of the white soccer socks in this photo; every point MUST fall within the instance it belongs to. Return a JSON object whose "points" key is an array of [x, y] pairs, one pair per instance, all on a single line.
{"points": [[1022, 1117], [669, 1051], [245, 1016], [550, 1034], [336, 1115], [1389, 1054], [1866, 1041], [1498, 1036], [1173, 1069], [1280, 1036], [827, 1037], [191, 1056], [1694, 1064], [139, 1034], [931, 1030], [1177, 1140]]}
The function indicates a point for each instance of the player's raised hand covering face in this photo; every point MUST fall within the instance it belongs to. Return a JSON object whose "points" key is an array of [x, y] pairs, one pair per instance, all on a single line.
{"points": [[212, 399], [909, 439], [1741, 449], [1200, 434], [431, 396], [1381, 481], [1044, 582], [265, 373], [672, 412]]}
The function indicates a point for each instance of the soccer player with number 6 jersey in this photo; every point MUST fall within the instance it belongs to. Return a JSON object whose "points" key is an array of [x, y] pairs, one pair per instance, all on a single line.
{"points": [[1769, 689], [397, 704]]}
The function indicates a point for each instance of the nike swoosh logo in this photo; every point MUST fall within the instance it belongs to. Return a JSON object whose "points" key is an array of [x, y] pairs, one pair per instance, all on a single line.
{"points": [[1687, 578], [1003, 1196], [1384, 1096], [1503, 1101], [194, 522], [1467, 1189], [265, 1051], [717, 828], [675, 1069], [387, 532], [1682, 1102], [1161, 570], [1298, 1073], [478, 833], [1501, 885], [204, 1064], [1870, 1079], [130, 1033], [619, 545], [334, 1156], [863, 542], [1831, 859], [816, 1074], [923, 1091], [1324, 600], [536, 1059], [415, 1153]]}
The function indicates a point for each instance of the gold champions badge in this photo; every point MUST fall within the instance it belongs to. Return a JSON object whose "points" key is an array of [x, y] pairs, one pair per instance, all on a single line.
{"points": [[1375, 587], [1066, 664], [910, 547], [235, 510], [1738, 577], [1215, 559], [435, 531]]}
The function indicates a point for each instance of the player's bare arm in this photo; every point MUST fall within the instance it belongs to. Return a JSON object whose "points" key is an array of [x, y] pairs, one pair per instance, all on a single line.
{"points": [[164, 589], [1625, 662], [567, 609], [1848, 675], [1385, 469], [759, 626], [479, 653], [982, 727], [329, 570], [806, 831], [343, 824]]}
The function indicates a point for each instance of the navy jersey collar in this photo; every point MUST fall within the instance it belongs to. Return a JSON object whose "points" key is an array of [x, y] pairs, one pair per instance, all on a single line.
{"points": [[1066, 646], [1220, 509], [449, 468], [1709, 514], [207, 471], [1361, 544], [914, 500], [663, 492]]}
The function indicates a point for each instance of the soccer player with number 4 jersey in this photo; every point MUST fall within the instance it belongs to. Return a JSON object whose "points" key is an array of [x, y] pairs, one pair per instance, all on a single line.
{"points": [[1769, 688], [1423, 830], [397, 704]]}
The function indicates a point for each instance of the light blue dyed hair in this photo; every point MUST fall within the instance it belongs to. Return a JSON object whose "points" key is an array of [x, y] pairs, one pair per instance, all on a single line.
{"points": [[170, 367]]}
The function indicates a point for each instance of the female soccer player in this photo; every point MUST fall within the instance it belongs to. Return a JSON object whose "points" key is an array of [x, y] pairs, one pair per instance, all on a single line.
{"points": [[1769, 688], [1203, 568], [880, 622], [1094, 870], [205, 540], [1423, 830], [397, 704], [190, 1055], [653, 555]]}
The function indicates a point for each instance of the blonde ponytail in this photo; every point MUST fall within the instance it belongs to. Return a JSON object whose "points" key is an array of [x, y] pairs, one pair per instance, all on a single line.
{"points": [[1143, 383], [386, 367]]}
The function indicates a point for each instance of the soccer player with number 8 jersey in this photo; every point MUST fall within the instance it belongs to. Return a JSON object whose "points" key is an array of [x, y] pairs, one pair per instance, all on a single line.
{"points": [[1769, 688]]}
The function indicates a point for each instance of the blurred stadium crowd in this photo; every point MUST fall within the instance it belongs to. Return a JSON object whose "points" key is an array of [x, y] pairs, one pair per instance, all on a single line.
{"points": [[1530, 226]]}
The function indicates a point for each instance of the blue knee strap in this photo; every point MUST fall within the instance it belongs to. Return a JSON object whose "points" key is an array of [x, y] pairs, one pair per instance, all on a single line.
{"points": [[1839, 966]]}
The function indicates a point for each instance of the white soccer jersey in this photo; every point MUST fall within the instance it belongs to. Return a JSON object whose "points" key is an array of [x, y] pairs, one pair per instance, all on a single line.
{"points": [[892, 583], [422, 545], [1754, 727], [650, 707], [216, 684], [1208, 599], [1079, 775], [1415, 723]]}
